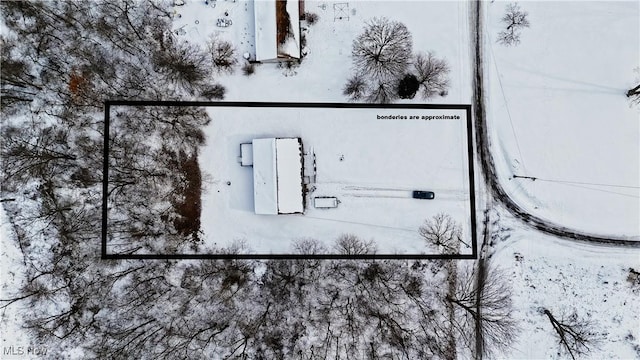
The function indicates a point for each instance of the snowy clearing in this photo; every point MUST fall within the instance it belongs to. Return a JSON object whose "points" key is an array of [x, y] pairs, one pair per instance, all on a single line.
{"points": [[559, 114], [564, 277], [370, 164]]}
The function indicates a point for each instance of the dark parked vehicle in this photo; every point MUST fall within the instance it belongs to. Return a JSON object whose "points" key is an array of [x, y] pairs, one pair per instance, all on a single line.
{"points": [[419, 194]]}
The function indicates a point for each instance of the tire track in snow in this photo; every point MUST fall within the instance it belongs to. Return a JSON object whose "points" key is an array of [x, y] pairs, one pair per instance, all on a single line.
{"points": [[402, 193]]}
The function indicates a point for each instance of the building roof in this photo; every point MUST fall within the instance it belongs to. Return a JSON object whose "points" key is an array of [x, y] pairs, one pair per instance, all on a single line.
{"points": [[277, 176], [265, 190], [266, 28], [289, 173]]}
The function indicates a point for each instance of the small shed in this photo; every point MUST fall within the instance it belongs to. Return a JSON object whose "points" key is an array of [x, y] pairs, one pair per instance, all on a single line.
{"points": [[277, 176]]}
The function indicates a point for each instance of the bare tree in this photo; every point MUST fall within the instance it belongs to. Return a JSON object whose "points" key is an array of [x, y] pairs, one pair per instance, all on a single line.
{"points": [[515, 19], [356, 87], [183, 64], [223, 55], [384, 49], [483, 296], [29, 150], [17, 85], [215, 91], [378, 309], [349, 244], [381, 55], [382, 92], [443, 232], [432, 74], [576, 336]]}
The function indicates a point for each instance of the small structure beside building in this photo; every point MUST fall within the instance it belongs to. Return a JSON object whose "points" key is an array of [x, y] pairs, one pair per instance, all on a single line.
{"points": [[277, 29], [325, 202], [246, 154], [277, 174]]}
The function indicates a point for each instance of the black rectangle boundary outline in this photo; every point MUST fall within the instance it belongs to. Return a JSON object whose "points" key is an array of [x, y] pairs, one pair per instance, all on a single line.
{"points": [[105, 183]]}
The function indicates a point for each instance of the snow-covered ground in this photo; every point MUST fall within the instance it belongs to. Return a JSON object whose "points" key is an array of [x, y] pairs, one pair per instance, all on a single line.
{"points": [[197, 22], [384, 209], [370, 164], [556, 109], [374, 180], [558, 112], [563, 277], [10, 280], [16, 341], [441, 27]]}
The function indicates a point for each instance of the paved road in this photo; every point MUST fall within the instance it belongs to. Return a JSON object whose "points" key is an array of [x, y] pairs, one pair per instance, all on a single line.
{"points": [[486, 159]]}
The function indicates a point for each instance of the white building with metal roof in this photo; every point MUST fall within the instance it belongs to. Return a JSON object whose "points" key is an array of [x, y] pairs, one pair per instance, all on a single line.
{"points": [[277, 176]]}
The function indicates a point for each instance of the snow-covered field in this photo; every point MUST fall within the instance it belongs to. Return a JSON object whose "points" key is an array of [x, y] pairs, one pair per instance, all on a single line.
{"points": [[592, 281], [370, 165], [558, 112], [441, 27]]}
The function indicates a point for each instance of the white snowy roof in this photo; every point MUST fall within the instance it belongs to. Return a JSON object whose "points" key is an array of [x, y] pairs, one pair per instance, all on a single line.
{"points": [[266, 37], [289, 172], [277, 176], [265, 191], [266, 30]]}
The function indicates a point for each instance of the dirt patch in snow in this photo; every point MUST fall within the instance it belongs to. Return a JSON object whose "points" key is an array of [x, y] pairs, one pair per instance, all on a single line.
{"points": [[189, 206]]}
